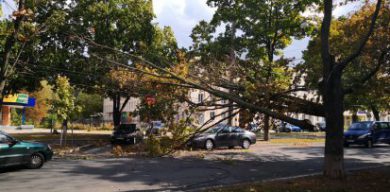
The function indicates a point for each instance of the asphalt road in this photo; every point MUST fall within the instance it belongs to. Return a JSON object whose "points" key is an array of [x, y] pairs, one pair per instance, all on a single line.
{"points": [[220, 167]]}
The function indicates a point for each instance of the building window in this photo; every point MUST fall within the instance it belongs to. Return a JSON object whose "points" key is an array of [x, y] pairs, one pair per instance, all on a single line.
{"points": [[200, 97], [212, 115], [201, 119]]}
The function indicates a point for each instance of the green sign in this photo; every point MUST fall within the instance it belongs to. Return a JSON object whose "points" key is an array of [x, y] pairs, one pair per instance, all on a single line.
{"points": [[22, 98]]}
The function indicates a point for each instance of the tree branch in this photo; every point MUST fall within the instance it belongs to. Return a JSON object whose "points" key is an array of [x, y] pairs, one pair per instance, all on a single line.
{"points": [[341, 65], [365, 79]]}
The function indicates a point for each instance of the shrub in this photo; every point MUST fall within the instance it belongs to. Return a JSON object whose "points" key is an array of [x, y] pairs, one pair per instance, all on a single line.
{"points": [[175, 138]]}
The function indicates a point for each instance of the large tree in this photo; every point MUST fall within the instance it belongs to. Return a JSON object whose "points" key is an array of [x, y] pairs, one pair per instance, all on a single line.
{"points": [[332, 88], [250, 48], [365, 80]]}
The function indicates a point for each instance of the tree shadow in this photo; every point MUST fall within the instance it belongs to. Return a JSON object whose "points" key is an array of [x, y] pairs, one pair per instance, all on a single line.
{"points": [[190, 173]]}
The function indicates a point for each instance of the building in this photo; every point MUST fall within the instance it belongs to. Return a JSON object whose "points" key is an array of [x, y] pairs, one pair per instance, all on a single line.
{"points": [[363, 115], [205, 115]]}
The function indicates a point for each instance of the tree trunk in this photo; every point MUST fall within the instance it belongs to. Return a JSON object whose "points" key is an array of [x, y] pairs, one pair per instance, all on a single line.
{"points": [[334, 144], [7, 49], [63, 133], [354, 117], [375, 111], [266, 128], [116, 110]]}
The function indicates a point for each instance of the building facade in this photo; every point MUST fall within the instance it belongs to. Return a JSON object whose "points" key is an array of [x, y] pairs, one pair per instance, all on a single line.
{"points": [[202, 116]]}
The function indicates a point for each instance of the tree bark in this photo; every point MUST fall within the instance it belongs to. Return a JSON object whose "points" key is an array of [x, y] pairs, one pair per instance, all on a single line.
{"points": [[354, 116], [334, 144], [116, 113], [266, 128], [9, 44], [375, 111], [63, 133]]}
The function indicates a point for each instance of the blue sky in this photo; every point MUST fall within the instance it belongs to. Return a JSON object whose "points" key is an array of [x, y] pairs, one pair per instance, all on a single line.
{"points": [[183, 15]]}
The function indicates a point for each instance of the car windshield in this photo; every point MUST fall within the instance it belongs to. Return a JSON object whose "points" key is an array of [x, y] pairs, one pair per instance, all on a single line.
{"points": [[360, 126], [8, 136]]}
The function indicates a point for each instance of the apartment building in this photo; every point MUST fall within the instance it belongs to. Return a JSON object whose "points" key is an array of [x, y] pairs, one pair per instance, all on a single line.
{"points": [[204, 115]]}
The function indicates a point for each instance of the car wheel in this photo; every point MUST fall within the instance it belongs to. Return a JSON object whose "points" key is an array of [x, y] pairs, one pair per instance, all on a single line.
{"points": [[36, 161], [209, 145], [246, 144], [369, 144]]}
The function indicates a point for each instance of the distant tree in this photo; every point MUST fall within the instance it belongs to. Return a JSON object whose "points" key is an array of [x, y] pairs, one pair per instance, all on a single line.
{"points": [[91, 104], [42, 103], [64, 103]]}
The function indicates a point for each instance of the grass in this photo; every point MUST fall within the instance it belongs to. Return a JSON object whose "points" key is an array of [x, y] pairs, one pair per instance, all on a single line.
{"points": [[377, 180], [297, 141], [299, 134]]}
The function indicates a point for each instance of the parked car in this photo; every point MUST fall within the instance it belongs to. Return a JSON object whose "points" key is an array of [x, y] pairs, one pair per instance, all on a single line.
{"points": [[253, 127], [367, 133], [31, 154], [322, 126], [223, 136], [290, 128], [155, 128], [126, 133]]}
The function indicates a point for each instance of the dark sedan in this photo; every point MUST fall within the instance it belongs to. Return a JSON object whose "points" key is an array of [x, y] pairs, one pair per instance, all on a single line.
{"points": [[224, 136], [126, 133]]}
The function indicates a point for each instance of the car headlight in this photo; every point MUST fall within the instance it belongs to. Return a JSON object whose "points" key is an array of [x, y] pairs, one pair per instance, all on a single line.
{"points": [[364, 136]]}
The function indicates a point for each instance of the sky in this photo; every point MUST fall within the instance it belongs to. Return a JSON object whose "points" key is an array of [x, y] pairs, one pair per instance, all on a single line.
{"points": [[183, 15]]}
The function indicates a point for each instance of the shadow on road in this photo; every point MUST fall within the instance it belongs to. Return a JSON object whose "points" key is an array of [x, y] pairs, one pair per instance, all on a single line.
{"points": [[187, 173]]}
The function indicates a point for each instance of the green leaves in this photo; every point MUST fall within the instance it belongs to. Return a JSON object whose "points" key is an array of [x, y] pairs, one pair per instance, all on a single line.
{"points": [[64, 101]]}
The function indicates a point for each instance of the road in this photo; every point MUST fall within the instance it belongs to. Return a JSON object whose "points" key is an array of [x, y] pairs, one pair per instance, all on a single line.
{"points": [[219, 167]]}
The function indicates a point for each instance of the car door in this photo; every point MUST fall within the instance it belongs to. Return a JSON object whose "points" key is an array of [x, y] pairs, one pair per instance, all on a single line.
{"points": [[236, 136], [4, 150], [380, 132], [222, 137], [376, 132], [11, 153]]}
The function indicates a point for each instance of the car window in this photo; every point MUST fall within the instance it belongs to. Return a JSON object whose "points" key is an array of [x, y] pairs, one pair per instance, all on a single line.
{"points": [[213, 130], [238, 130], [227, 129], [383, 125], [360, 126]]}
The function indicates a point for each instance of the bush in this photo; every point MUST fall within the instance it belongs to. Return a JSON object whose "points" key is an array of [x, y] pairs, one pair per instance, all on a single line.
{"points": [[88, 127], [174, 139]]}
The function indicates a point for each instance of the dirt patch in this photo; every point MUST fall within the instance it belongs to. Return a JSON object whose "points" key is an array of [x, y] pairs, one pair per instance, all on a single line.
{"points": [[358, 181]]}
